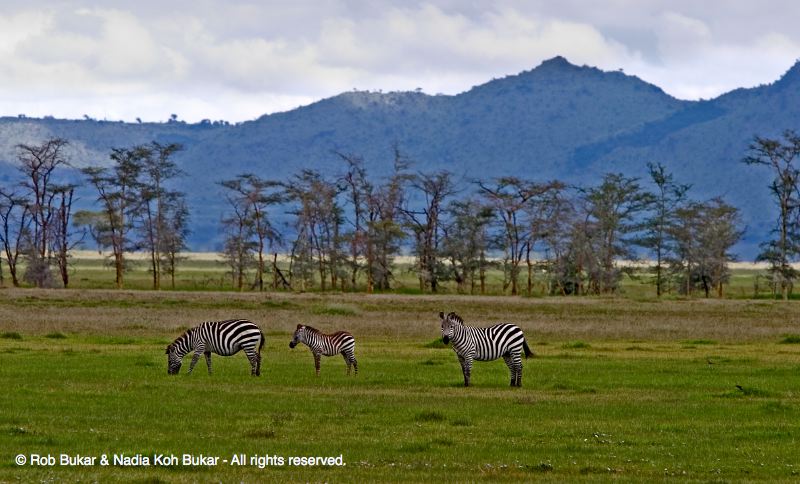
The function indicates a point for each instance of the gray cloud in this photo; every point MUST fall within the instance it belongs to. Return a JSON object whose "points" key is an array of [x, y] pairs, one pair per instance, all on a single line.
{"points": [[236, 60]]}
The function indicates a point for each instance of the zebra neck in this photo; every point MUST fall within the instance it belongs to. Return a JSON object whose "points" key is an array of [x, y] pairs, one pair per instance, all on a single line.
{"points": [[460, 336], [313, 340], [187, 343]]}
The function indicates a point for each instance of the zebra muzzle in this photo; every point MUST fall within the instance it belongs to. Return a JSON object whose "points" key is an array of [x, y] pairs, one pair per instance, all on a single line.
{"points": [[445, 339], [292, 344]]}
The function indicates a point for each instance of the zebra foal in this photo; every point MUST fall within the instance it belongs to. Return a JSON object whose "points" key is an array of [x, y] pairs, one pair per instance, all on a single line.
{"points": [[485, 344], [340, 342], [224, 338]]}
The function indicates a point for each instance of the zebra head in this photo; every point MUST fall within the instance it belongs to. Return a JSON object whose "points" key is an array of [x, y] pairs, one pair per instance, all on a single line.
{"points": [[449, 322], [174, 359], [299, 336]]}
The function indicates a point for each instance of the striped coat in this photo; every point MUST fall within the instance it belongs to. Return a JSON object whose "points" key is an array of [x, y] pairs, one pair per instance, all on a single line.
{"points": [[224, 338], [340, 342], [485, 344]]}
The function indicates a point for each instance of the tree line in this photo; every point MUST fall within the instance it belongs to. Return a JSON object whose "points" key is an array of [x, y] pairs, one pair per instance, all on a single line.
{"points": [[345, 230], [136, 211]]}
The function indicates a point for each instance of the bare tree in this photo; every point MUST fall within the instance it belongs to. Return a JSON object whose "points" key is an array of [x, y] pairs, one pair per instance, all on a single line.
{"points": [[358, 192], [37, 163], [426, 224], [16, 220], [62, 240], [238, 245], [782, 157]]}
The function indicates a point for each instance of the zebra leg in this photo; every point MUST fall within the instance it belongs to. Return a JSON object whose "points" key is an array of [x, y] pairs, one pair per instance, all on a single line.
{"points": [[510, 364], [350, 359], [347, 362], [517, 361], [208, 361], [466, 368], [316, 362], [195, 357], [255, 361]]}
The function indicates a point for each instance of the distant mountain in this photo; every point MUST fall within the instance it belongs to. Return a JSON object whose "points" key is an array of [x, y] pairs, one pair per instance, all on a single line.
{"points": [[555, 121]]}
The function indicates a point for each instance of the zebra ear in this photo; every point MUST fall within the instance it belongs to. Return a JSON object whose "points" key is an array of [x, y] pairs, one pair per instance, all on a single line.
{"points": [[299, 326], [441, 315]]}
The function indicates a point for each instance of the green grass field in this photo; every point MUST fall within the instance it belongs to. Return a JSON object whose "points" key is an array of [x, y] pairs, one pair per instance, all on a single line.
{"points": [[619, 389]]}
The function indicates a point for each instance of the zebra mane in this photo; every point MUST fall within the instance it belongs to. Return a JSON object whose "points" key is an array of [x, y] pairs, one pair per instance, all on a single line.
{"points": [[180, 338], [312, 329], [455, 317]]}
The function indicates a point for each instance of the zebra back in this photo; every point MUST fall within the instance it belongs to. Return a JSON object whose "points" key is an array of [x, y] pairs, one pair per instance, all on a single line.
{"points": [[326, 343], [223, 335]]}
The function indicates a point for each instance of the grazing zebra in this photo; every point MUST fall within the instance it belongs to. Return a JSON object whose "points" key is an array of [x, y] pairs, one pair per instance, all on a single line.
{"points": [[224, 338], [326, 344], [485, 344]]}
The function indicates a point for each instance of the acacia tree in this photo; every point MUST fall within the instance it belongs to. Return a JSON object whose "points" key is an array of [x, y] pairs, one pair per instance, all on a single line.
{"points": [[255, 196], [15, 219], [425, 223], [237, 249], [554, 226], [782, 157], [385, 231], [543, 213], [173, 241], [667, 198], [510, 198], [319, 218], [358, 192], [466, 242], [38, 164], [612, 211], [720, 230], [62, 241], [157, 199], [703, 234], [119, 195]]}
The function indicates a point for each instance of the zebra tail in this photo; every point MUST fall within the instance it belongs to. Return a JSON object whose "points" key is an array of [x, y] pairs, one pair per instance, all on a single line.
{"points": [[527, 349], [261, 345]]}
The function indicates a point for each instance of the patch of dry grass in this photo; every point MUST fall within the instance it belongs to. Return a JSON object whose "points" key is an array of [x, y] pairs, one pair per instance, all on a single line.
{"points": [[396, 317]]}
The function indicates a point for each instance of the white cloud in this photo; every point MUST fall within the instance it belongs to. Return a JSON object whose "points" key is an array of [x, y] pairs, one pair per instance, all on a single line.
{"points": [[237, 60]]}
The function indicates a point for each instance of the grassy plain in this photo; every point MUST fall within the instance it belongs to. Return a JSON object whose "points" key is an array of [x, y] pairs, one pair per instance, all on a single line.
{"points": [[621, 388]]}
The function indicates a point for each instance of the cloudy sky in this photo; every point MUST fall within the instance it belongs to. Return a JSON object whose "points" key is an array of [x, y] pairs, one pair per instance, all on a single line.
{"points": [[235, 60]]}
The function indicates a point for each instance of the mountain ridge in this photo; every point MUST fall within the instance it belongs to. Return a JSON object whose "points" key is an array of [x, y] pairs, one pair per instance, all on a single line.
{"points": [[557, 120]]}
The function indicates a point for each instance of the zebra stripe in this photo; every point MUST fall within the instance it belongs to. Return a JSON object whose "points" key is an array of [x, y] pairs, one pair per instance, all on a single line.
{"points": [[485, 344], [340, 342], [224, 338]]}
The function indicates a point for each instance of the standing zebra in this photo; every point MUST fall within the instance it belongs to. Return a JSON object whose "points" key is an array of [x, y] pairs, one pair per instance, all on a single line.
{"points": [[326, 344], [485, 344], [224, 338]]}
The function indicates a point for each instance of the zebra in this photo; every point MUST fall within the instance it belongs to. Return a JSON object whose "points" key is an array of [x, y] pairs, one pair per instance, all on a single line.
{"points": [[485, 344], [340, 342], [224, 338]]}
